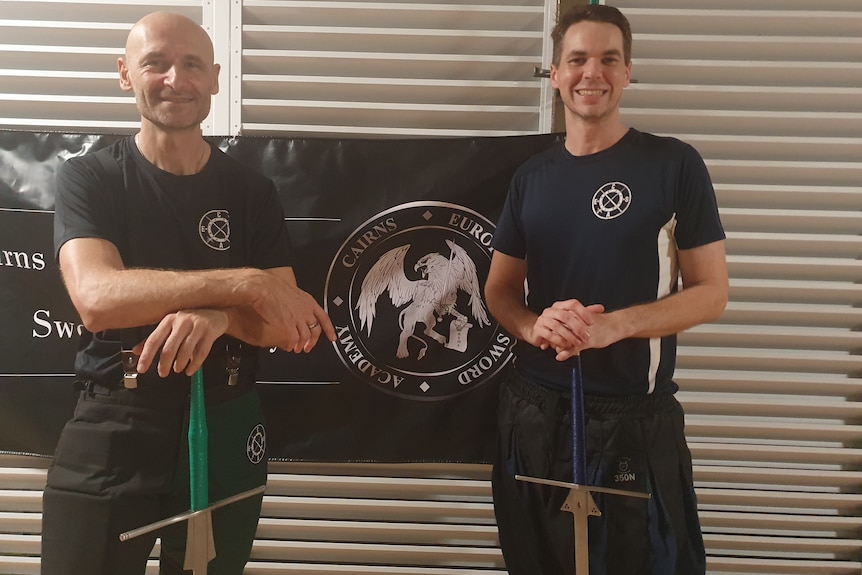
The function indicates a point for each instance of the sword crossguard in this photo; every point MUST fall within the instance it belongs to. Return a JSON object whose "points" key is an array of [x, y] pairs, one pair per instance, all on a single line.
{"points": [[581, 505], [200, 544], [186, 515]]}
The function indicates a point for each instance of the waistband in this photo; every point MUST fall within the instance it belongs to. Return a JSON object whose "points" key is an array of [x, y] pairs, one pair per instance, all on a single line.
{"points": [[603, 406], [164, 392]]}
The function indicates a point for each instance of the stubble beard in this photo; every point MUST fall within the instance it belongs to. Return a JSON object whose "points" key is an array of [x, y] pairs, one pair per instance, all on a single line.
{"points": [[589, 116], [167, 121]]}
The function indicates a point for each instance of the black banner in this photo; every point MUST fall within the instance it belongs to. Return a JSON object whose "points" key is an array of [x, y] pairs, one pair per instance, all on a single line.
{"points": [[393, 238]]}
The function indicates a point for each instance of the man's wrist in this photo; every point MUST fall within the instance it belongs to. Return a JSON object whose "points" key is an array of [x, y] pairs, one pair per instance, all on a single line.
{"points": [[246, 285]]}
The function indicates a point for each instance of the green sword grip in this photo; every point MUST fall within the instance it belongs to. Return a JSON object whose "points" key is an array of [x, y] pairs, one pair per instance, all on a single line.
{"points": [[198, 437]]}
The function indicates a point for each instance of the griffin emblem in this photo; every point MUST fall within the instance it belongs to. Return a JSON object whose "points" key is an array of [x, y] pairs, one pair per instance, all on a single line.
{"points": [[430, 298]]}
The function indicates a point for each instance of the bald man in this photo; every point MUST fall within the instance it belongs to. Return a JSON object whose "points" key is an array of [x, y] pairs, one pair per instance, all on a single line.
{"points": [[176, 258]]}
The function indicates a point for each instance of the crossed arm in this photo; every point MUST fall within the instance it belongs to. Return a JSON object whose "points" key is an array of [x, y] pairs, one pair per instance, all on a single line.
{"points": [[570, 326], [192, 308]]}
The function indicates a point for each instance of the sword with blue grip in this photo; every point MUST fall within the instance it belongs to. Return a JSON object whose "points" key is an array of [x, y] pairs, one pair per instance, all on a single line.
{"points": [[580, 501]]}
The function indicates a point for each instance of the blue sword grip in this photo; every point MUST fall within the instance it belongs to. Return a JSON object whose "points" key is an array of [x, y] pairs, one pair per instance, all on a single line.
{"points": [[579, 440]]}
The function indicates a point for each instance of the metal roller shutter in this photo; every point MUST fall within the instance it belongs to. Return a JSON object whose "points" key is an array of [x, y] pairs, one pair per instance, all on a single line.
{"points": [[771, 95]]}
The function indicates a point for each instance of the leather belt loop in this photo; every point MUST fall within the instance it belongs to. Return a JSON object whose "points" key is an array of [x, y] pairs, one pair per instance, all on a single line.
{"points": [[130, 369], [129, 337]]}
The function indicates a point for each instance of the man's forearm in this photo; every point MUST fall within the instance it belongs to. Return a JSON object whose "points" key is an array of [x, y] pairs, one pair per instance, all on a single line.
{"points": [[702, 299], [508, 308], [669, 315], [114, 299]]}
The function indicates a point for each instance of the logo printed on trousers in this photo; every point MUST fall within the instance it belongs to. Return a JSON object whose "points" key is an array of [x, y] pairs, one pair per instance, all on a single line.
{"points": [[255, 445], [625, 473]]}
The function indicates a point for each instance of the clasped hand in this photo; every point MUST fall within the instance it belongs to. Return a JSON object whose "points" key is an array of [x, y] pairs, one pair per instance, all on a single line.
{"points": [[567, 327]]}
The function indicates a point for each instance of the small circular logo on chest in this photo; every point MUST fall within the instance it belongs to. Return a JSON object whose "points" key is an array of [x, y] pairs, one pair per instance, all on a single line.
{"points": [[611, 200], [215, 229]]}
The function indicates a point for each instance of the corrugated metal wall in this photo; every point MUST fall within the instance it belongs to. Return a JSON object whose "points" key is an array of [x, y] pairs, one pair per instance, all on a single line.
{"points": [[771, 95]]}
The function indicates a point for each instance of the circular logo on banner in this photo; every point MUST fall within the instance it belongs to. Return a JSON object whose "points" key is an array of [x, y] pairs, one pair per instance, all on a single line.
{"points": [[215, 229], [255, 445], [611, 200], [405, 294]]}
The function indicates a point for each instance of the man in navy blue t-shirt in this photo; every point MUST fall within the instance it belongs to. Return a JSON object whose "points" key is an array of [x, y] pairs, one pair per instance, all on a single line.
{"points": [[592, 241]]}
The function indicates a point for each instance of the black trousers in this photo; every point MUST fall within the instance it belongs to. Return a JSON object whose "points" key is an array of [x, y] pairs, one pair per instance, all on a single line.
{"points": [[122, 463], [635, 444]]}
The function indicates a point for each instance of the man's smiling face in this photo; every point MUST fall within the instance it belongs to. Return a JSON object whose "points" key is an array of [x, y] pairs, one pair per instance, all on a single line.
{"points": [[169, 67], [592, 71]]}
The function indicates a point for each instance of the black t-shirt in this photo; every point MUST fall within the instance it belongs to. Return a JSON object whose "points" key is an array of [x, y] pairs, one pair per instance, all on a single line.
{"points": [[226, 216], [605, 228]]}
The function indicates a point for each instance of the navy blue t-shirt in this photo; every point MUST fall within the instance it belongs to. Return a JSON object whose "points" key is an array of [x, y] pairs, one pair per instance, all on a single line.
{"points": [[605, 228]]}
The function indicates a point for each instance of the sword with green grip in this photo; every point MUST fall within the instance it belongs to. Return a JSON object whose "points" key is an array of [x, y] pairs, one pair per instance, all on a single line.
{"points": [[200, 546]]}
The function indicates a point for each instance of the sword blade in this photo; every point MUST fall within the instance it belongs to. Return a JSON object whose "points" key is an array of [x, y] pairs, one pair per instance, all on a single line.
{"points": [[200, 546]]}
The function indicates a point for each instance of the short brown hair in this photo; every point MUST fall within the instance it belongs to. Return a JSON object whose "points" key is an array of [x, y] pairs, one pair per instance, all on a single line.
{"points": [[591, 13]]}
